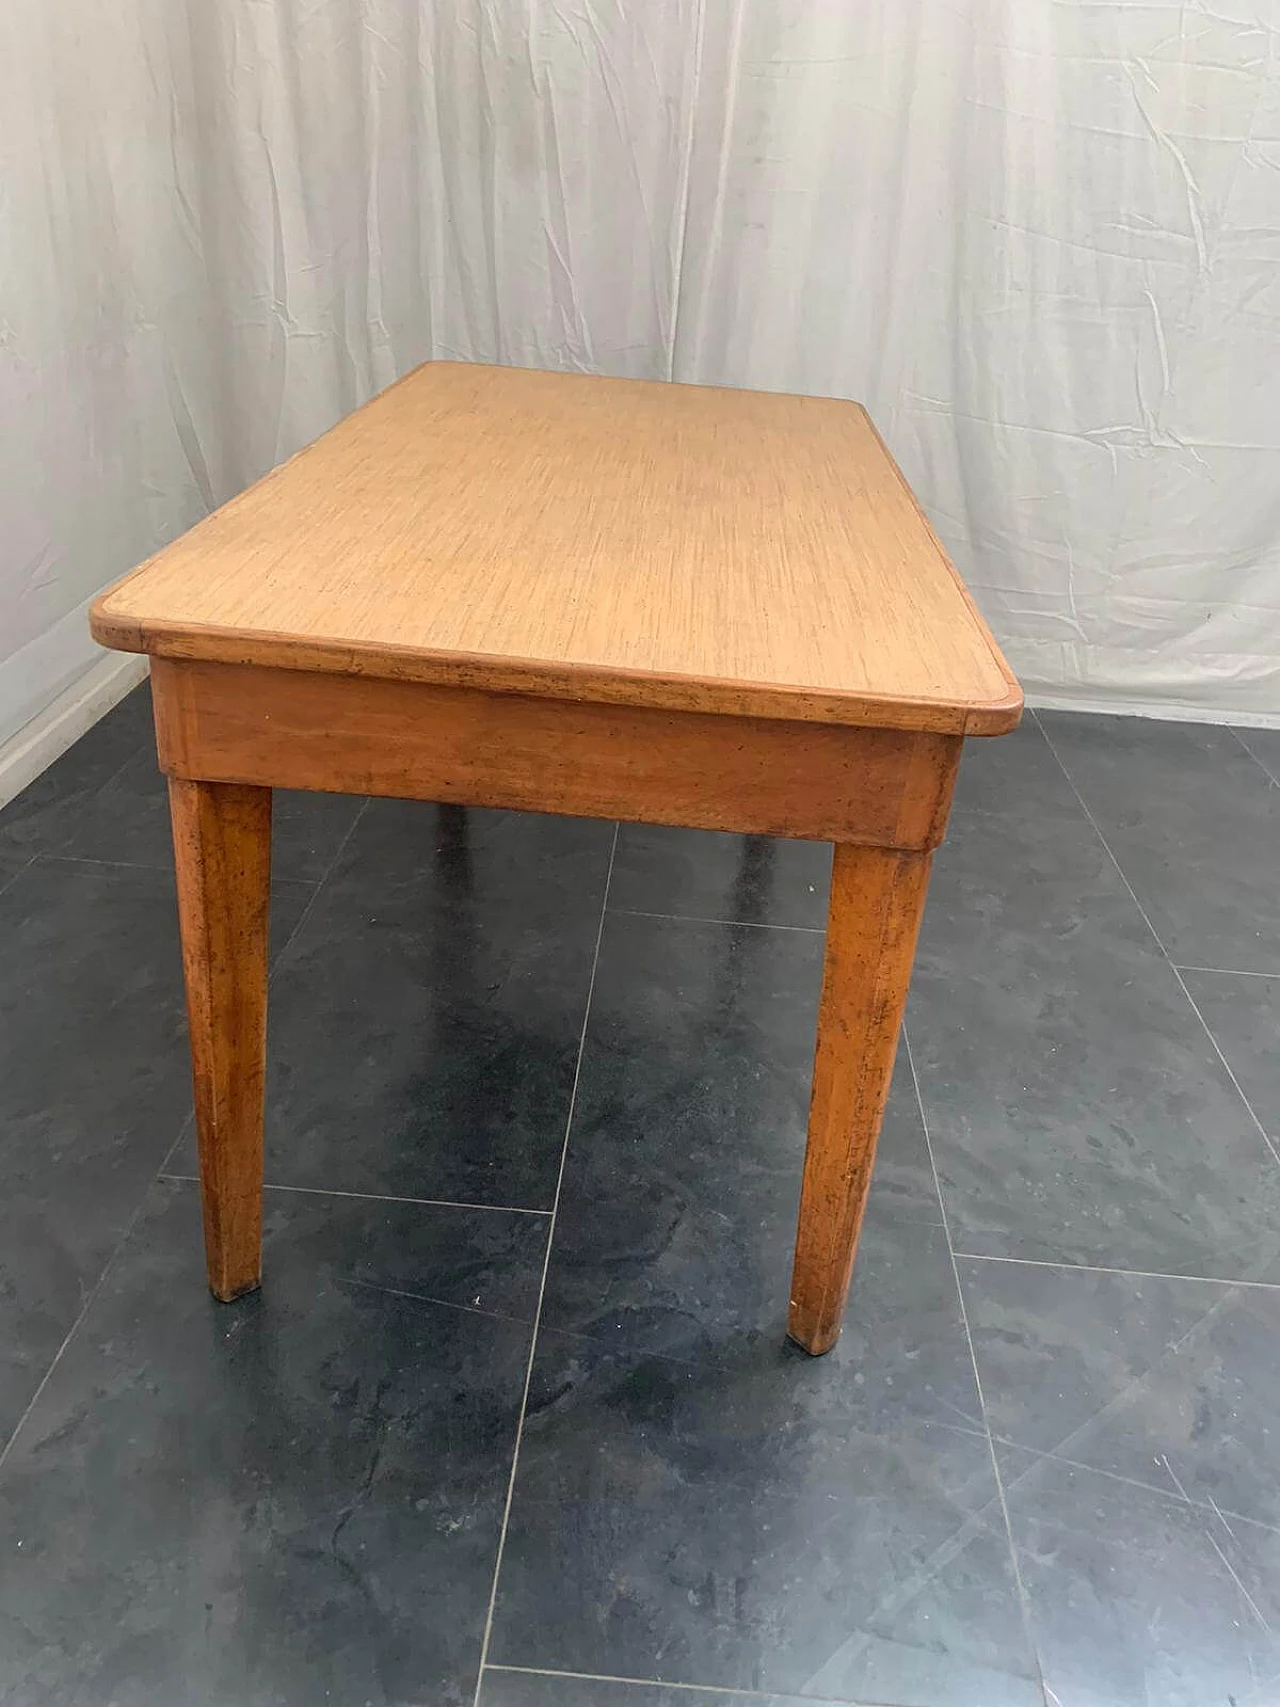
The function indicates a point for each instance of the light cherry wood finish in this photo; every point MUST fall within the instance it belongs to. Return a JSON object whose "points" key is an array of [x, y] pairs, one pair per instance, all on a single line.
{"points": [[602, 597], [222, 850], [877, 899], [233, 723], [605, 539]]}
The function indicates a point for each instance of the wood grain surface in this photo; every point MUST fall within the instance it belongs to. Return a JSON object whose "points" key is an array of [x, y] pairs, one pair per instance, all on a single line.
{"points": [[877, 900], [222, 854], [599, 539], [289, 729]]}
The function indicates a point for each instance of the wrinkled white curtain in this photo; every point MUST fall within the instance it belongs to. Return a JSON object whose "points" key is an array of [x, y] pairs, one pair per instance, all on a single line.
{"points": [[1040, 238]]}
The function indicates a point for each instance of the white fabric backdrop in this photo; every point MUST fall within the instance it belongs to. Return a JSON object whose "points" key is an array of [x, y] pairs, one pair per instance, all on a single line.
{"points": [[1040, 238]]}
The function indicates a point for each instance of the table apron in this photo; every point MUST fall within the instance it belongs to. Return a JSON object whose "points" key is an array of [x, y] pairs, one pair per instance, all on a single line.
{"points": [[361, 735]]}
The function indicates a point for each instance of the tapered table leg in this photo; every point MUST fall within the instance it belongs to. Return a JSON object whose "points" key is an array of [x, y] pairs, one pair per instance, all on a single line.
{"points": [[877, 897], [222, 848]]}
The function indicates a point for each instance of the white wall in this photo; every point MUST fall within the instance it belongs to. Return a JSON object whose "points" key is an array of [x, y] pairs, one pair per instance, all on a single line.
{"points": [[1039, 237]]}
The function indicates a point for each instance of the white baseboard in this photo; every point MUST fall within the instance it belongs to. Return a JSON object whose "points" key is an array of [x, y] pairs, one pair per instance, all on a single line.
{"points": [[1161, 711], [48, 736]]}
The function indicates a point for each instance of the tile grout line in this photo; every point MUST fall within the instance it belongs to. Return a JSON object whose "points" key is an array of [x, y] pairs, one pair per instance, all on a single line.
{"points": [[1135, 1273], [1156, 938], [107, 1267], [71, 1332], [1262, 765], [1213, 1542], [1161, 1492], [108, 864], [274, 960], [159, 870], [427, 1298], [732, 924], [1234, 1575], [379, 1197], [1117, 1403], [95, 793], [1225, 971], [107, 782], [692, 1688], [1043, 1455], [148, 746], [46, 855], [162, 1172], [14, 875], [1024, 1603], [109, 1264], [314, 896], [542, 1282]]}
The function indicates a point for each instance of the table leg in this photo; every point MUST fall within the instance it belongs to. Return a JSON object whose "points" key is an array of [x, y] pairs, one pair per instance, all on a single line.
{"points": [[222, 849], [877, 898]]}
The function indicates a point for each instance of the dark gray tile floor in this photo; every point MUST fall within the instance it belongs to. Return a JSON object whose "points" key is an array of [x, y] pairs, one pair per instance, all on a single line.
{"points": [[512, 1422]]}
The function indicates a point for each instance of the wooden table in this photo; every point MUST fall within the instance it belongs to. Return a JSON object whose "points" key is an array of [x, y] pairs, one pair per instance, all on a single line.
{"points": [[601, 597]]}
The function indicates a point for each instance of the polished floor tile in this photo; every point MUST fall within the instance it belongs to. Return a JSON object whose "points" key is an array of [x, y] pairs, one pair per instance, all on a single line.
{"points": [[531, 1689], [94, 1086], [1134, 1419], [1136, 1598], [1171, 1383], [300, 1498], [1194, 822], [1017, 772], [706, 874], [425, 1021], [678, 1207], [48, 810], [11, 864], [128, 821], [488, 1261], [1243, 1013], [293, 1499], [747, 1517], [1077, 1109], [1264, 745], [106, 800]]}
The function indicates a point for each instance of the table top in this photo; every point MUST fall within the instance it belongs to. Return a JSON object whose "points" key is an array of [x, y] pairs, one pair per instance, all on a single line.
{"points": [[602, 539]]}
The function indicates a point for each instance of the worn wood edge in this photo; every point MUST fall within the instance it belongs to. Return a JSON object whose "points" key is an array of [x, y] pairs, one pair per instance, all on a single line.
{"points": [[880, 977], [608, 684], [997, 716], [603, 684], [218, 901], [413, 716], [993, 717]]}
